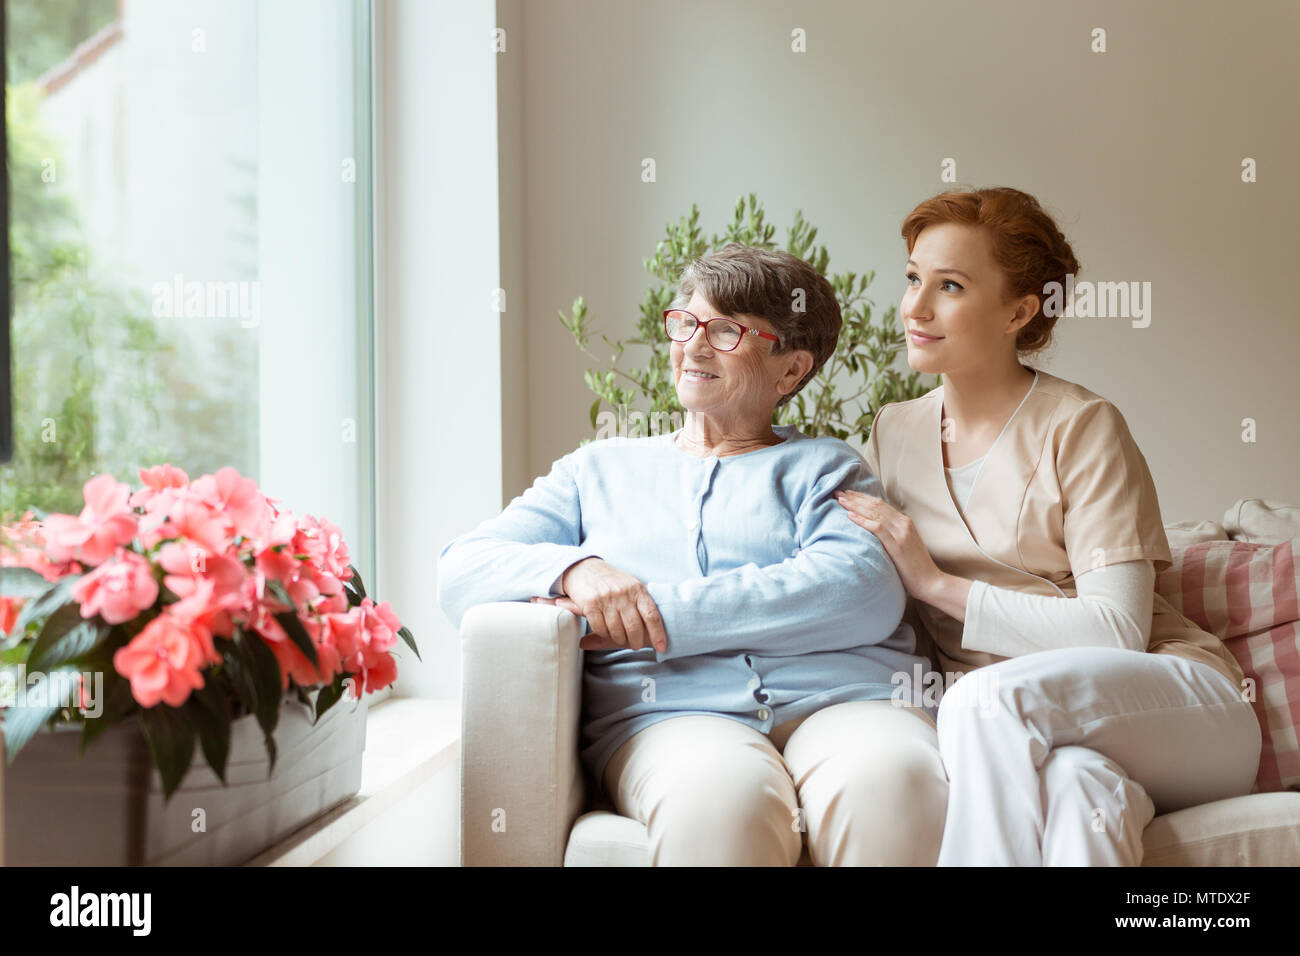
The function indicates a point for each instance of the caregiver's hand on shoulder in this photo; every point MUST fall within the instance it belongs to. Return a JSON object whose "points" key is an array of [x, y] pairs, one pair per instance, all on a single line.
{"points": [[917, 570], [618, 608]]}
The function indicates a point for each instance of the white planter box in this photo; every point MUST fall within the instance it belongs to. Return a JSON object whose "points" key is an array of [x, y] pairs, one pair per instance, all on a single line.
{"points": [[59, 808]]}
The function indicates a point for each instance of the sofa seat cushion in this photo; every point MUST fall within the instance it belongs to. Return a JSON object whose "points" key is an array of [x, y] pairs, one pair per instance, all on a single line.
{"points": [[1259, 829], [603, 838]]}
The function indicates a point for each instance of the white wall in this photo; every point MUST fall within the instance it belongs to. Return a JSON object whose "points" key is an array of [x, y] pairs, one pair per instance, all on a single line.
{"points": [[1138, 150]]}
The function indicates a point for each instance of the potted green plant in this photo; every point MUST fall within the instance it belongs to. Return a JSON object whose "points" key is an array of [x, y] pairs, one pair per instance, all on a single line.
{"points": [[184, 616], [841, 400]]}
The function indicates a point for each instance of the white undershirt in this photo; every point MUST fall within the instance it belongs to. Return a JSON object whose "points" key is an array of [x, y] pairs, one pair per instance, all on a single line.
{"points": [[962, 479], [1113, 607]]}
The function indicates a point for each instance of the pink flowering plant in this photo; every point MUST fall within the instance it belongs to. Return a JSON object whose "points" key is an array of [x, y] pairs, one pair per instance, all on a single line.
{"points": [[197, 601]]}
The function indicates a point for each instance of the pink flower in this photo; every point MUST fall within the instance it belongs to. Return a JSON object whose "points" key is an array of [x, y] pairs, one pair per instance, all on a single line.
{"points": [[323, 544], [106, 522], [294, 663], [162, 663], [158, 481], [237, 500], [194, 518], [332, 604], [209, 594], [343, 631], [23, 555], [204, 612], [303, 591], [278, 566], [295, 558], [371, 679], [365, 636], [185, 564], [117, 590], [9, 608]]}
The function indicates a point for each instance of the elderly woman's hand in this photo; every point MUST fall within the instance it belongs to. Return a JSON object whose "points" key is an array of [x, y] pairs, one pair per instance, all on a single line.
{"points": [[588, 642], [618, 608]]}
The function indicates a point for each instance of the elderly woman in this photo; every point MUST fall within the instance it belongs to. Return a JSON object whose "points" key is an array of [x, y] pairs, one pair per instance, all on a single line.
{"points": [[746, 649]]}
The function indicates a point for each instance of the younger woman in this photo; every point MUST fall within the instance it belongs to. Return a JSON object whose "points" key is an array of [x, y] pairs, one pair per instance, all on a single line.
{"points": [[1022, 518]]}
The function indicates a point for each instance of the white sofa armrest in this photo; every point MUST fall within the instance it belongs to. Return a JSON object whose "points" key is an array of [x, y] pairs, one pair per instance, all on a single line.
{"points": [[521, 782]]}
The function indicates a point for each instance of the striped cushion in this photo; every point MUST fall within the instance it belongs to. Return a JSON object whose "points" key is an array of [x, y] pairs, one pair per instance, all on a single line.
{"points": [[1249, 596]]}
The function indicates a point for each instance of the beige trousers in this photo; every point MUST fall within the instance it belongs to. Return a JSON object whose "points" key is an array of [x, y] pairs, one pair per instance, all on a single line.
{"points": [[861, 781]]}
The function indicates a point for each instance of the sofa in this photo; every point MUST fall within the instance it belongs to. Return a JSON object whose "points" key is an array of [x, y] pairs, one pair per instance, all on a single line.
{"points": [[527, 800]]}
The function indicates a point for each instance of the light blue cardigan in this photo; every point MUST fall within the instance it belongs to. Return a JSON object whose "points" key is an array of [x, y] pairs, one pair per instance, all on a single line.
{"points": [[775, 603]]}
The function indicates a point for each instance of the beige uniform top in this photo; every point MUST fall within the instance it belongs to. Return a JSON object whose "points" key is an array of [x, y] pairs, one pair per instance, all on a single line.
{"points": [[1064, 489]]}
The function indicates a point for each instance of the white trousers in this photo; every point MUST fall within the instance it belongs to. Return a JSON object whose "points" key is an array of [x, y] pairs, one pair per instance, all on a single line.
{"points": [[1062, 757], [860, 782]]}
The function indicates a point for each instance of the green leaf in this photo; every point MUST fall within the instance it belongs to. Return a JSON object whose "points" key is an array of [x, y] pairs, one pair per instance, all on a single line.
{"points": [[21, 583], [65, 636], [51, 599], [264, 671], [16, 654], [292, 625], [405, 634], [209, 710], [237, 674], [271, 751], [595, 409], [32, 708], [171, 740], [355, 582], [329, 695], [118, 703]]}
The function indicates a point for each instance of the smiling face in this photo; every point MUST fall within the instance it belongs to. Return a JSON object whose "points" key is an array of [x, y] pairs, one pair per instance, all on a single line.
{"points": [[740, 386], [953, 312]]}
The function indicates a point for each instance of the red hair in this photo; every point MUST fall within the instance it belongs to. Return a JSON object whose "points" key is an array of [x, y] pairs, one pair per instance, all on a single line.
{"points": [[1025, 241]]}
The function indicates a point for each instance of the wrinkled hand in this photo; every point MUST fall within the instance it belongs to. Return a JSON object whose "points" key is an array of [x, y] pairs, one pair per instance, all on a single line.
{"points": [[916, 569], [589, 642], [619, 610]]}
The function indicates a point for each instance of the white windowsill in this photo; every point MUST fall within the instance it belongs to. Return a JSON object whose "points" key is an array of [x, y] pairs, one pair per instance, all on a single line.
{"points": [[408, 740]]}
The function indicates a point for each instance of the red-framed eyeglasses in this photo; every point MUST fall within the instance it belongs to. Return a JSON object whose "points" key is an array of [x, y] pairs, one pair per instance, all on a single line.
{"points": [[723, 334]]}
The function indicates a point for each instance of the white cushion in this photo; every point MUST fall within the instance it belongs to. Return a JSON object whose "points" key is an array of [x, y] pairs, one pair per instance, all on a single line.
{"points": [[1262, 522], [1184, 534], [603, 838], [1259, 829]]}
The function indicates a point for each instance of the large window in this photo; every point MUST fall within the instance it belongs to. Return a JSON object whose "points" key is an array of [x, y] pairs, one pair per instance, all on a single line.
{"points": [[192, 251]]}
